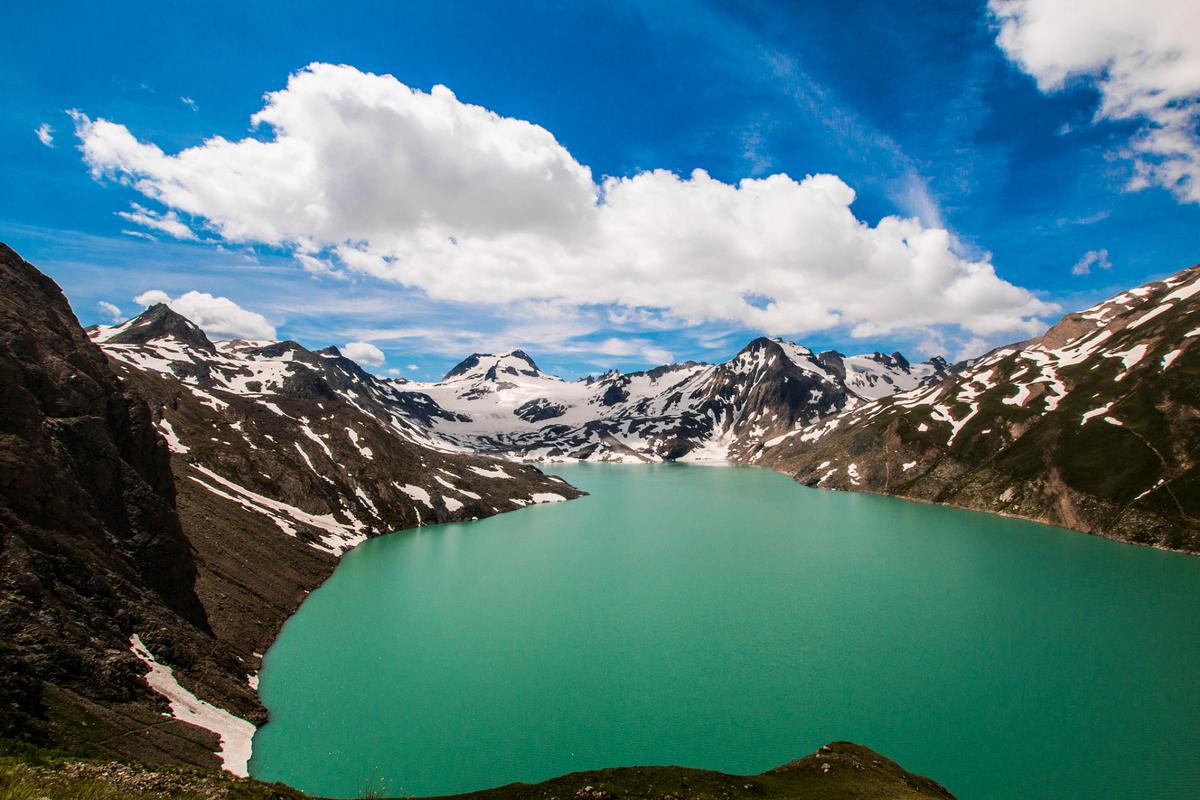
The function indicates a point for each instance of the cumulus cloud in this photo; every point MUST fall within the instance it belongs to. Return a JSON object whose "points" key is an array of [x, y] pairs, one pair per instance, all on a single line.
{"points": [[1143, 57], [45, 134], [363, 353], [112, 310], [1092, 258], [168, 222], [362, 174], [219, 317]]}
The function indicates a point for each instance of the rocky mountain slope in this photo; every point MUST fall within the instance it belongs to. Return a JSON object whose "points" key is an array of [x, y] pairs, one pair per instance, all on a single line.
{"points": [[91, 544], [1093, 426], [506, 405], [163, 511], [324, 450], [837, 771]]}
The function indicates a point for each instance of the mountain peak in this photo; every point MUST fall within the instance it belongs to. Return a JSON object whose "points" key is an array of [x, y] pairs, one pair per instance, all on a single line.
{"points": [[761, 343], [493, 367], [160, 322]]}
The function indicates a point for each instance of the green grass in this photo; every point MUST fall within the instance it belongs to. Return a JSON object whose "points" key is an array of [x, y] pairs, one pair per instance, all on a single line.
{"points": [[840, 771]]}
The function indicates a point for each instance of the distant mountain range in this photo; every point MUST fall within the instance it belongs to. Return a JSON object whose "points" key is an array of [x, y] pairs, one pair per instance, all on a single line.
{"points": [[1091, 426], [690, 411], [505, 405]]}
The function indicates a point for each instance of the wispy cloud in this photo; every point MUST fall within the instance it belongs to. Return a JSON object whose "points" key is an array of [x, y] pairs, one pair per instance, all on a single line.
{"points": [[112, 310], [45, 134], [167, 222], [1092, 258]]}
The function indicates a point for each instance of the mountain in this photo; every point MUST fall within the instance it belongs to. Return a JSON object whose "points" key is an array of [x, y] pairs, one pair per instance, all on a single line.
{"points": [[1092, 426], [165, 507], [92, 548], [504, 404], [322, 449]]}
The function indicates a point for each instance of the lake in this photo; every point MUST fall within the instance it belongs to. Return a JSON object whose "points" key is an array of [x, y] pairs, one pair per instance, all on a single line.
{"points": [[727, 618]]}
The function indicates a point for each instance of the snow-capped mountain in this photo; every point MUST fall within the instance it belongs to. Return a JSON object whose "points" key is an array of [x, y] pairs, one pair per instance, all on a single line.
{"points": [[1092, 426], [309, 440], [506, 404]]}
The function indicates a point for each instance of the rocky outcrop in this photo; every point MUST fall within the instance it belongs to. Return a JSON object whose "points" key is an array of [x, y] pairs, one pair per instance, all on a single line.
{"points": [[1093, 426]]}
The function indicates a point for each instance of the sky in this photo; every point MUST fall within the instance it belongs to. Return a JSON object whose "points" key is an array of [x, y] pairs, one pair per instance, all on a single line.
{"points": [[614, 184]]}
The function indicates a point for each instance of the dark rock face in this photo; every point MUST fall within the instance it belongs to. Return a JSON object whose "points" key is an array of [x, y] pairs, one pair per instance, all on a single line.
{"points": [[81, 460], [464, 367], [90, 542], [1094, 426], [539, 410]]}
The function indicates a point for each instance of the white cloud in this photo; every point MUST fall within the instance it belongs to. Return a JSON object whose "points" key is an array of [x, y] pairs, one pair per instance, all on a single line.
{"points": [[363, 353], [167, 222], [140, 235], [45, 134], [219, 317], [412, 367], [623, 346], [1143, 57], [112, 310], [189, 102], [1092, 258], [152, 297], [364, 174]]}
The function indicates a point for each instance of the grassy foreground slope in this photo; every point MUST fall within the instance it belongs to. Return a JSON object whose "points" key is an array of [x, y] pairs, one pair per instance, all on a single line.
{"points": [[838, 771]]}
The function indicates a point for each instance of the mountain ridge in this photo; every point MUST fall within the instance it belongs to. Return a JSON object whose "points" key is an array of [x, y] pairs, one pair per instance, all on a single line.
{"points": [[1091, 426]]}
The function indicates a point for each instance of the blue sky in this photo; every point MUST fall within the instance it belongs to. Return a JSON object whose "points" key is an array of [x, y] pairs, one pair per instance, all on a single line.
{"points": [[916, 108]]}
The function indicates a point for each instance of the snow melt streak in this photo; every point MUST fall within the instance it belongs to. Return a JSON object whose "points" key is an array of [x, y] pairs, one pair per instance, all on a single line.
{"points": [[235, 733]]}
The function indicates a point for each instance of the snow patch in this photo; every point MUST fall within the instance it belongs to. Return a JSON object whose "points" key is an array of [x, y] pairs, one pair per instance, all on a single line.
{"points": [[173, 442], [235, 733]]}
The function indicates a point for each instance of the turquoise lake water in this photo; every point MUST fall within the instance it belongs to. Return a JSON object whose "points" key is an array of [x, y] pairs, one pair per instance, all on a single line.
{"points": [[727, 618]]}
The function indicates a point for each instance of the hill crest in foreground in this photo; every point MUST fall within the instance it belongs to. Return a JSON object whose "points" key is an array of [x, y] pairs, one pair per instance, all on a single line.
{"points": [[837, 771]]}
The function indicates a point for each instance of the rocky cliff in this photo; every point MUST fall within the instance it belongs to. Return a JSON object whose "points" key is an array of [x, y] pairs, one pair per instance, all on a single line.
{"points": [[91, 544]]}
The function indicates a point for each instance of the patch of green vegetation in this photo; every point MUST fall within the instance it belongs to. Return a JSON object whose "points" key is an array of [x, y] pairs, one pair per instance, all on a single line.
{"points": [[30, 772], [1108, 461]]}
